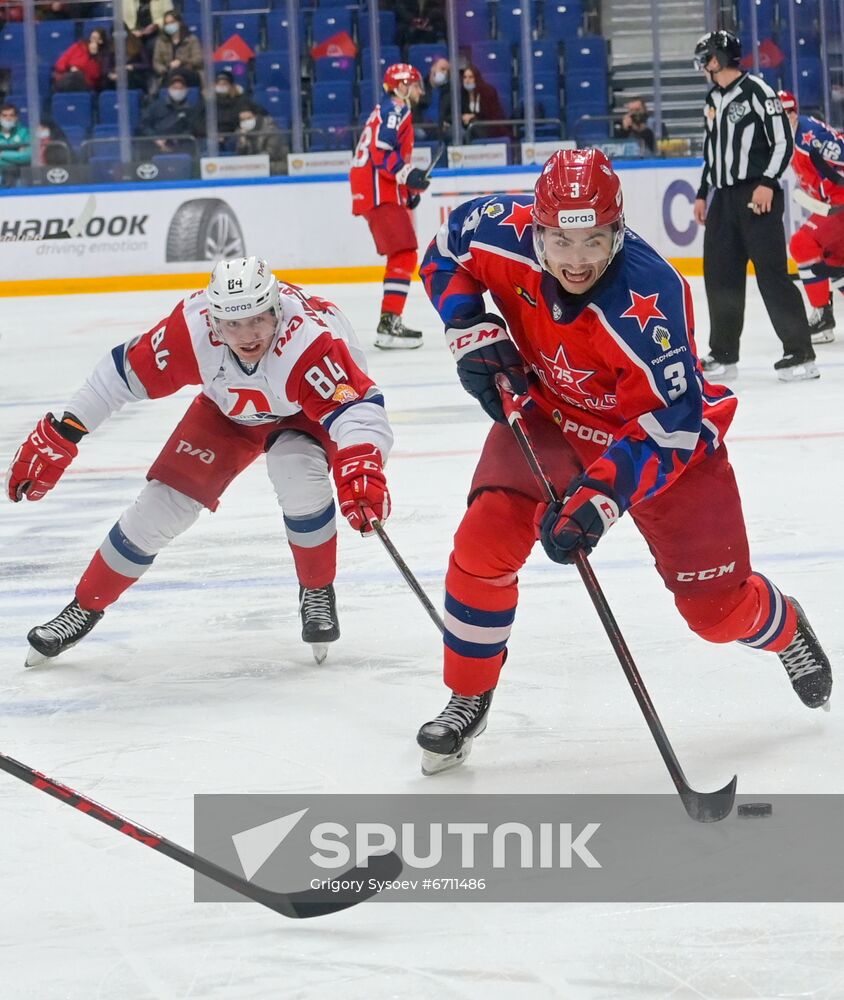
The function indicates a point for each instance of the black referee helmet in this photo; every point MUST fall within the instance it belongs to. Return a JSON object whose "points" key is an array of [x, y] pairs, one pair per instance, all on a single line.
{"points": [[721, 44]]}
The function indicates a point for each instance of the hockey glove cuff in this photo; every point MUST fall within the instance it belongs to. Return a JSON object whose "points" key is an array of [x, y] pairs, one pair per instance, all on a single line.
{"points": [[483, 349], [42, 458], [577, 523], [361, 486]]}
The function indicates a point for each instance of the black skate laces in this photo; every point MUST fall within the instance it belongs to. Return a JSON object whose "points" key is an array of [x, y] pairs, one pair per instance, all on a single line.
{"points": [[68, 622], [798, 659], [316, 607]]}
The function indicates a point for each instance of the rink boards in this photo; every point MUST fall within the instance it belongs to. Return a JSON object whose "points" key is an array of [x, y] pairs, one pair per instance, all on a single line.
{"points": [[137, 237]]}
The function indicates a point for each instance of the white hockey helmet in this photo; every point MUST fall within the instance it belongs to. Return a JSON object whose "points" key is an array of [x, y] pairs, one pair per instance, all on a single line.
{"points": [[241, 288]]}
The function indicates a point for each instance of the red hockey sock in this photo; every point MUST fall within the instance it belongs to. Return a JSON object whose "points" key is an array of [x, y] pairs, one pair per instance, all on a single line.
{"points": [[100, 585], [397, 275], [317, 566]]}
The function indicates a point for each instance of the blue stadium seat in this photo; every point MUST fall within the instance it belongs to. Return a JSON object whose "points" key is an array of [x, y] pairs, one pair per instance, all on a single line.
{"points": [[248, 26], [586, 54], [76, 135], [173, 166], [588, 91], [546, 57], [422, 56], [276, 103], [331, 69], [11, 44], [809, 82], [770, 76], [329, 132], [107, 107], [508, 19], [105, 169], [386, 28], [546, 90], [108, 131], [52, 38], [246, 5], [332, 99], [806, 15], [562, 20], [493, 57], [587, 131], [389, 54], [504, 88], [278, 30], [432, 111], [330, 21], [472, 22], [808, 43], [766, 13], [105, 24], [71, 110], [272, 69]]}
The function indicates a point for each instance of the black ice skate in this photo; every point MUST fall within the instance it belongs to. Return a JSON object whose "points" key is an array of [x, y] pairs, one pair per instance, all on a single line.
{"points": [[65, 630], [822, 324], [806, 664], [796, 368], [718, 371], [318, 610], [447, 740], [393, 335]]}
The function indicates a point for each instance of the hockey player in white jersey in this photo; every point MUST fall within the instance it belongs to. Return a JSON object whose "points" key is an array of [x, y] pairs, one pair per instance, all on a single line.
{"points": [[281, 373]]}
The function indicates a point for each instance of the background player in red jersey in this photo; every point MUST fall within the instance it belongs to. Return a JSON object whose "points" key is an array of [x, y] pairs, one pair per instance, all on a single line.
{"points": [[282, 374], [598, 329], [384, 190], [818, 245]]}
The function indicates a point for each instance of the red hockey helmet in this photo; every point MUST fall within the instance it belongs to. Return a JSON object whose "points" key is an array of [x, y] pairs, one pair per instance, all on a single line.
{"points": [[787, 100], [578, 189], [399, 73]]}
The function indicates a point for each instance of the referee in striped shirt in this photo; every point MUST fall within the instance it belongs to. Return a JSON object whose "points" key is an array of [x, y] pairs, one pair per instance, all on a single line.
{"points": [[747, 146]]}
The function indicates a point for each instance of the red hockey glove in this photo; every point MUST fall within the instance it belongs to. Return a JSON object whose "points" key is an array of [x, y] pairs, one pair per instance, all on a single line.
{"points": [[39, 462], [578, 523], [361, 486]]}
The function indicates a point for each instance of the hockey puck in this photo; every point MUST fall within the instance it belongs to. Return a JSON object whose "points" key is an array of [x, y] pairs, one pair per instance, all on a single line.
{"points": [[750, 810]]}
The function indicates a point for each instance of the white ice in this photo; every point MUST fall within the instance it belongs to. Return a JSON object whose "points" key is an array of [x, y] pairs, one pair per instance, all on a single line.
{"points": [[197, 682]]}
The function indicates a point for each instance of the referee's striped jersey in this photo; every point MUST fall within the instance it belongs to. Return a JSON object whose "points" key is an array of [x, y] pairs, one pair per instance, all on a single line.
{"points": [[748, 136]]}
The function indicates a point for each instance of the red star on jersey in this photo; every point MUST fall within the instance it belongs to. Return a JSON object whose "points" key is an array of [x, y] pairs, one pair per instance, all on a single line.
{"points": [[643, 308], [519, 218], [807, 138], [565, 377]]}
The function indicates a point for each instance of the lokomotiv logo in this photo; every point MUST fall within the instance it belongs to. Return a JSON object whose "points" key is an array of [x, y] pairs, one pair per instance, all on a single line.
{"points": [[581, 218]]}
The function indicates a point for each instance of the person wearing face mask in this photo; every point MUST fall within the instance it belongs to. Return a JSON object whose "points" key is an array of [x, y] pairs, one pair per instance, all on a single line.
{"points": [[596, 334], [479, 101], [138, 66], [230, 100], [257, 133], [177, 48], [82, 66], [15, 148], [427, 109], [170, 116]]}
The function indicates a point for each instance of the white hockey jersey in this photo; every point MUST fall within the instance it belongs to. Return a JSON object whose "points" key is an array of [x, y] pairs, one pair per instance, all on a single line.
{"points": [[314, 365]]}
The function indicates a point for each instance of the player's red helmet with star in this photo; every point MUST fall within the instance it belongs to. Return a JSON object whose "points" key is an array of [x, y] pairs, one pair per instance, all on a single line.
{"points": [[400, 73], [787, 100], [577, 189]]}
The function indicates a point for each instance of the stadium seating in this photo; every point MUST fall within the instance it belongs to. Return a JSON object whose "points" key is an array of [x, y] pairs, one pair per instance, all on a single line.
{"points": [[248, 26], [386, 28], [272, 69], [52, 38], [107, 107], [173, 166], [562, 20], [72, 110], [330, 21], [508, 19], [472, 22]]}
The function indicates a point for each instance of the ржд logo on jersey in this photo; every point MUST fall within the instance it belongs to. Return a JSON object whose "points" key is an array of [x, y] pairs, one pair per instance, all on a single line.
{"points": [[203, 454]]}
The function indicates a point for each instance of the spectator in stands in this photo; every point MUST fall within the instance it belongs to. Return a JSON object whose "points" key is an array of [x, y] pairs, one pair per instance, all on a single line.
{"points": [[81, 65], [144, 18], [138, 69], [637, 125], [57, 10], [15, 147], [419, 21], [170, 120], [230, 100], [55, 149], [436, 86], [10, 12], [479, 102], [258, 133], [177, 48]]}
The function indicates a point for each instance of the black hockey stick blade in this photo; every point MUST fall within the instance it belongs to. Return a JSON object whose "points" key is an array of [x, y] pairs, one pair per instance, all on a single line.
{"points": [[308, 903], [709, 807], [435, 159]]}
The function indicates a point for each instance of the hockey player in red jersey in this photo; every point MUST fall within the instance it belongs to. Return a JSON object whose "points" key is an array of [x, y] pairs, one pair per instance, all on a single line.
{"points": [[281, 374], [385, 187], [818, 245], [598, 329]]}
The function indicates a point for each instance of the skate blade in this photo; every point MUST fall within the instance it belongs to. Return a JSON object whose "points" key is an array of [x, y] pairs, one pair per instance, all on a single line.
{"points": [[34, 658], [388, 343], [436, 763], [826, 706], [320, 651], [799, 373], [825, 337]]}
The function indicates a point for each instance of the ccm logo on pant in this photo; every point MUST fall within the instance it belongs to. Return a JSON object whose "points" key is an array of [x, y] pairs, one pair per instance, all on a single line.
{"points": [[203, 454], [707, 574]]}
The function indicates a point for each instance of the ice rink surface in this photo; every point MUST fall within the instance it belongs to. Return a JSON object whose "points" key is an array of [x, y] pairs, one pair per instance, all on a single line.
{"points": [[197, 681]]}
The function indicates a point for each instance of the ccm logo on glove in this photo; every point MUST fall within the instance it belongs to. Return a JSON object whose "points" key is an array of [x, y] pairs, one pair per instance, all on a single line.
{"points": [[39, 462]]}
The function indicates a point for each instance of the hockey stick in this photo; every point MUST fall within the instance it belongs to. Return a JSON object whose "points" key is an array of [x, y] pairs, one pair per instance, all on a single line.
{"points": [[76, 230], [815, 205], [705, 807], [435, 159], [309, 903], [410, 579]]}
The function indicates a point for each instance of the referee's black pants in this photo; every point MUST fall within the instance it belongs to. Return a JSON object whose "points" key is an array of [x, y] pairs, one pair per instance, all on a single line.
{"points": [[733, 235]]}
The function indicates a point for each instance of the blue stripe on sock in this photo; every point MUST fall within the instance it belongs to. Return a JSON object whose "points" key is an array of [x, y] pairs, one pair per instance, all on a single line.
{"points": [[122, 544], [477, 650], [474, 616], [313, 522]]}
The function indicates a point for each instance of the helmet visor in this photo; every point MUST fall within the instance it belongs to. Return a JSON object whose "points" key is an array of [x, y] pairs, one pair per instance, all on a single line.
{"points": [[575, 248]]}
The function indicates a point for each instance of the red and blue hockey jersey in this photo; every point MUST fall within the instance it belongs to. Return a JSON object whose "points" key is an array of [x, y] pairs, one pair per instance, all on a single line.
{"points": [[616, 368], [382, 157], [819, 160]]}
